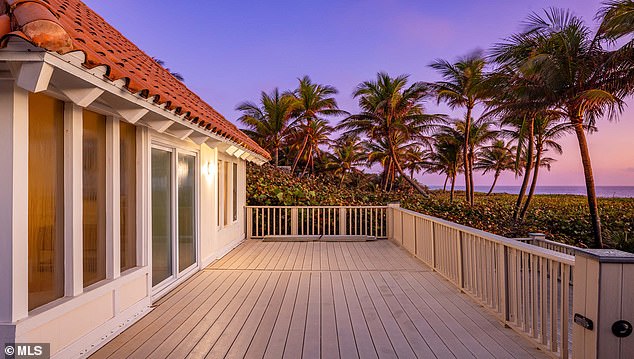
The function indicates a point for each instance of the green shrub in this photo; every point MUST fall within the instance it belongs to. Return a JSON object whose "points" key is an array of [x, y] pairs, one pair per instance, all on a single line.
{"points": [[562, 218]]}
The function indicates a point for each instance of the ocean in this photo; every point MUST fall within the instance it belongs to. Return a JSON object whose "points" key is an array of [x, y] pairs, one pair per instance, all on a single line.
{"points": [[602, 191]]}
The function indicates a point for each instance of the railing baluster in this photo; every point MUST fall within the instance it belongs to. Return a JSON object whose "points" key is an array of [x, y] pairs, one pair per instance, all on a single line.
{"points": [[534, 298], [553, 306], [543, 303], [565, 305]]}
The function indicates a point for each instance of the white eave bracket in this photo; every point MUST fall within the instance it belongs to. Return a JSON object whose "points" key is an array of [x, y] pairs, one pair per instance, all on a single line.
{"points": [[34, 76]]}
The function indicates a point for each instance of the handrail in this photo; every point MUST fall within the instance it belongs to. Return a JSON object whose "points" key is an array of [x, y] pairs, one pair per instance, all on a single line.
{"points": [[511, 243], [527, 286], [316, 207], [555, 246]]}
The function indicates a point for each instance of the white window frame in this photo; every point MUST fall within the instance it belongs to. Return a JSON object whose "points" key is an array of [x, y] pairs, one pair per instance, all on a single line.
{"points": [[224, 192]]}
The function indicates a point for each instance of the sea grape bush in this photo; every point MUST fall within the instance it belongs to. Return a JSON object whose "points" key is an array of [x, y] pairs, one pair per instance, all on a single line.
{"points": [[562, 218]]}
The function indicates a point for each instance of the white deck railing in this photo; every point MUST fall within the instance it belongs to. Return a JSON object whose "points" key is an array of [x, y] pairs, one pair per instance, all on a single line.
{"points": [[518, 281], [263, 221]]}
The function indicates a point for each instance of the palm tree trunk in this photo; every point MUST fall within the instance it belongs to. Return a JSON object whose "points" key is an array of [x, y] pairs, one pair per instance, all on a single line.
{"points": [[306, 167], [312, 161], [527, 169], [471, 186], [465, 155], [453, 186], [343, 175], [531, 191], [589, 177], [386, 175], [299, 154], [444, 187], [495, 180], [410, 180], [277, 156]]}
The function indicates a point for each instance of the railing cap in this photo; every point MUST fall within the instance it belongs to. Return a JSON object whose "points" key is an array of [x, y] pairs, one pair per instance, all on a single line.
{"points": [[394, 204], [607, 255], [537, 235]]}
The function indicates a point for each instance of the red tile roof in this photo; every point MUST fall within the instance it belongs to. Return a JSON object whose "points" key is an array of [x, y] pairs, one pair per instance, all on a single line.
{"points": [[63, 26]]}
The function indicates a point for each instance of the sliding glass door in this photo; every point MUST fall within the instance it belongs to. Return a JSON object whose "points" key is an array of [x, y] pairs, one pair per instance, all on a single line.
{"points": [[174, 230], [161, 215]]}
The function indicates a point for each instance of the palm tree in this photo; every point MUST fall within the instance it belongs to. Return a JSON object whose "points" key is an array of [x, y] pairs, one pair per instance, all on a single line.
{"points": [[413, 160], [480, 134], [381, 151], [314, 102], [268, 123], [445, 158], [548, 130], [347, 154], [176, 75], [497, 158], [393, 117], [579, 79], [312, 134], [617, 19], [463, 86]]}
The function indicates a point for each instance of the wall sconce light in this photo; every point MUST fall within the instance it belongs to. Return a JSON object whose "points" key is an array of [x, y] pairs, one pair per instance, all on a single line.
{"points": [[210, 169]]}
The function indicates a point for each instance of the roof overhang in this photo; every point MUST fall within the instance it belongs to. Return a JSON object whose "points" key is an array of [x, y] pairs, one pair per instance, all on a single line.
{"points": [[36, 70]]}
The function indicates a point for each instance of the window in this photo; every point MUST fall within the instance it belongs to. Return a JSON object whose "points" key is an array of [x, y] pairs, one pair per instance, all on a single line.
{"points": [[127, 199], [227, 192], [94, 197], [46, 200], [234, 190]]}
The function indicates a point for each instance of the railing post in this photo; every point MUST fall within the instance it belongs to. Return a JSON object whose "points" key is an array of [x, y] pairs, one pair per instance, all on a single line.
{"points": [[342, 221], [536, 237], [249, 221], [602, 306], [294, 221], [391, 207]]}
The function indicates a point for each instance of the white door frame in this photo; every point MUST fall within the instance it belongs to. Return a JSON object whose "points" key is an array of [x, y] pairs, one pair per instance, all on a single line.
{"points": [[176, 277]]}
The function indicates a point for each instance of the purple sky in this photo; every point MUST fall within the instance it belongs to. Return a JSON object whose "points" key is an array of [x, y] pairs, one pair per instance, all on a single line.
{"points": [[228, 51]]}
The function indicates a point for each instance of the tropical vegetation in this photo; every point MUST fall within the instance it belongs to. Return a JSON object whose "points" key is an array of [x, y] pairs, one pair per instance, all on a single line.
{"points": [[555, 78]]}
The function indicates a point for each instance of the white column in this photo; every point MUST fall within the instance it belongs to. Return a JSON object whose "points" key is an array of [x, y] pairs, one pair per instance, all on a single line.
{"points": [[73, 199], [391, 219], [14, 146], [143, 202]]}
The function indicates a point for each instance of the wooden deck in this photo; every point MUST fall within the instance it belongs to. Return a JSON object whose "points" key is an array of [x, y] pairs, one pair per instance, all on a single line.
{"points": [[312, 300]]}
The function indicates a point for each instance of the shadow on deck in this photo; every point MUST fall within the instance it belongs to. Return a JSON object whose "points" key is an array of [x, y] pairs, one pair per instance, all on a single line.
{"points": [[318, 299]]}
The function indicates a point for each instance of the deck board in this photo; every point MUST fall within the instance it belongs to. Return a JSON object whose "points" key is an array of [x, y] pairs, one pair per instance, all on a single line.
{"points": [[318, 300]]}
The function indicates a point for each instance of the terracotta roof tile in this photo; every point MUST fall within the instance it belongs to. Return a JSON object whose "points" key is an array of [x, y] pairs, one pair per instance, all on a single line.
{"points": [[69, 25]]}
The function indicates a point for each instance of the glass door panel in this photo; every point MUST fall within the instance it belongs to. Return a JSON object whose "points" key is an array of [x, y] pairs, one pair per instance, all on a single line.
{"points": [[161, 215], [186, 211]]}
